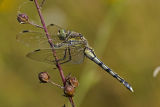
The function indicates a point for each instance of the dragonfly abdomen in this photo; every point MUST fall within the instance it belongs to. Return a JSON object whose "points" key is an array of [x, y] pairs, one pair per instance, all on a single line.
{"points": [[90, 54]]}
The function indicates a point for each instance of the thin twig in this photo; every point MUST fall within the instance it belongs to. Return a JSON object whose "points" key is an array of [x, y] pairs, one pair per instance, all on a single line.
{"points": [[52, 47], [56, 84], [35, 25]]}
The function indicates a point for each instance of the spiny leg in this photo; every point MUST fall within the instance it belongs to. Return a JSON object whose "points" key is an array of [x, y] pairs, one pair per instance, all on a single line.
{"points": [[58, 45], [70, 57], [64, 57], [42, 3]]}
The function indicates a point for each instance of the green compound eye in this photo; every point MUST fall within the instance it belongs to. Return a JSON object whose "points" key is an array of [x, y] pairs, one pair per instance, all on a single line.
{"points": [[62, 34]]}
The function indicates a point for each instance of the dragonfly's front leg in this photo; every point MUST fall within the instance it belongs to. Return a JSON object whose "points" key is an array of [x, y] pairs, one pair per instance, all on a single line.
{"points": [[64, 57], [69, 53], [60, 45], [42, 3]]}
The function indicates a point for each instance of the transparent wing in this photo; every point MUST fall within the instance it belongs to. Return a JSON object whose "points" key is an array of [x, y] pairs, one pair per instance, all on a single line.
{"points": [[77, 54], [27, 7], [38, 39], [46, 55], [64, 55], [33, 39]]}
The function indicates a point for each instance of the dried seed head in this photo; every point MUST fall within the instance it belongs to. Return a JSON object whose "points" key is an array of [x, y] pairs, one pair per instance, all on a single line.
{"points": [[22, 18], [69, 91], [44, 77], [74, 82]]}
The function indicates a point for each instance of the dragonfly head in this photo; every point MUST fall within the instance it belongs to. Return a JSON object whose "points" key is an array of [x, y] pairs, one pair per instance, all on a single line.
{"points": [[62, 34]]}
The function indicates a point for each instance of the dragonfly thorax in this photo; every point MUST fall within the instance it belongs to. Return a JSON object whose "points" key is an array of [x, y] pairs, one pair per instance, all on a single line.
{"points": [[73, 34]]}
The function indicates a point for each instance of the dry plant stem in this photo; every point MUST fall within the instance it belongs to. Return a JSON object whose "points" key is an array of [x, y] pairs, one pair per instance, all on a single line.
{"points": [[35, 25], [50, 41], [56, 84], [52, 46]]}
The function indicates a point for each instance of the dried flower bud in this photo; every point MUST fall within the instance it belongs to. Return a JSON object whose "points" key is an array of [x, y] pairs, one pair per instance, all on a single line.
{"points": [[22, 18], [44, 77], [74, 82], [69, 91]]}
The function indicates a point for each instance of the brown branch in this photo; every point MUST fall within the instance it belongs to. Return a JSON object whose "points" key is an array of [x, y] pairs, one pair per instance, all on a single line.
{"points": [[52, 47]]}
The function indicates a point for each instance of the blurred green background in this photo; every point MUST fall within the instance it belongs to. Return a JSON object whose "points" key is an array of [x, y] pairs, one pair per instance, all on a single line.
{"points": [[124, 35]]}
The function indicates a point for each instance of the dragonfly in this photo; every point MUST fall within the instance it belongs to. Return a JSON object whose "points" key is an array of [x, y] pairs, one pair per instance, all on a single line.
{"points": [[70, 46]]}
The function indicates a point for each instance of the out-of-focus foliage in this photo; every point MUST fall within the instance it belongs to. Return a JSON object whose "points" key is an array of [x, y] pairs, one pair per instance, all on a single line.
{"points": [[6, 5], [124, 34]]}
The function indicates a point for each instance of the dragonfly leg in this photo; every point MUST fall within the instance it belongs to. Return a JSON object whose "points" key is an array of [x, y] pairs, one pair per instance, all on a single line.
{"points": [[70, 58], [64, 57], [58, 45], [42, 3]]}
